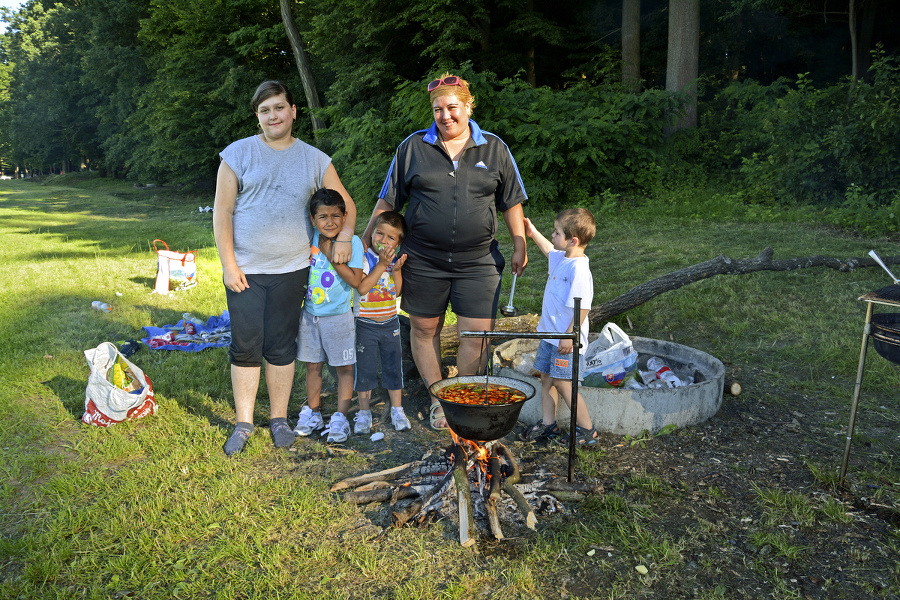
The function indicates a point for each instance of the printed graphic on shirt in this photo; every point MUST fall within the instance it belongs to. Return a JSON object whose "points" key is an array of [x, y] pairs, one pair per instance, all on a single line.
{"points": [[321, 278], [380, 302]]}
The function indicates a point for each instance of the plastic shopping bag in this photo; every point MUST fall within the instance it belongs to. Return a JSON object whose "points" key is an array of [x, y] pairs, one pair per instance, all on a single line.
{"points": [[610, 360], [117, 389], [176, 268]]}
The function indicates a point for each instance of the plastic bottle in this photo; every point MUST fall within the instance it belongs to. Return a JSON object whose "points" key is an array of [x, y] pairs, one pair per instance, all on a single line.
{"points": [[188, 317], [101, 306], [663, 372]]}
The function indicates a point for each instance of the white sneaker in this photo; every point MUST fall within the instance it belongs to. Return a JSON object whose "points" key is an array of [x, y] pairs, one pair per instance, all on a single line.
{"points": [[308, 422], [338, 428], [362, 422], [398, 418]]}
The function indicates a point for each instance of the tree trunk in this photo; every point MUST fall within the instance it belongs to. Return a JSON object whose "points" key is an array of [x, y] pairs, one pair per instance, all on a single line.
{"points": [[530, 75], [721, 265], [306, 76], [682, 56], [631, 45], [868, 12], [854, 56]]}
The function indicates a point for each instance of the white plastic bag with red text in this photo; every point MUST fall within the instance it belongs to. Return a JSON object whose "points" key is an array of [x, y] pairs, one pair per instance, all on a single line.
{"points": [[104, 403]]}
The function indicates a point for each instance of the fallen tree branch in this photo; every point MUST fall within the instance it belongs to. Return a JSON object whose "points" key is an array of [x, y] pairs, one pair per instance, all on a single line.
{"points": [[721, 265]]}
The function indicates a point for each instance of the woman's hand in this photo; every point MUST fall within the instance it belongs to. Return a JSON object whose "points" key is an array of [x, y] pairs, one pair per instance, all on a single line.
{"points": [[234, 279]]}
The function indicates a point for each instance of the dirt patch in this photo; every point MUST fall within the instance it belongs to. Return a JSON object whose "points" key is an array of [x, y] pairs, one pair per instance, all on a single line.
{"points": [[746, 505]]}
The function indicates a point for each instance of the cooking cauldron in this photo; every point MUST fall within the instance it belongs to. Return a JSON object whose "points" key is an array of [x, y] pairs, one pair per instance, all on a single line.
{"points": [[482, 422], [886, 335]]}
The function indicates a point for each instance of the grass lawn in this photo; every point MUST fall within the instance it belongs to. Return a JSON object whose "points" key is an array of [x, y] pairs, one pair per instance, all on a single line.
{"points": [[154, 509]]}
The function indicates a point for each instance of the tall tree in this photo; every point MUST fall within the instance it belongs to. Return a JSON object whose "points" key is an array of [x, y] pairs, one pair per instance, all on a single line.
{"points": [[303, 68], [683, 56], [631, 45]]}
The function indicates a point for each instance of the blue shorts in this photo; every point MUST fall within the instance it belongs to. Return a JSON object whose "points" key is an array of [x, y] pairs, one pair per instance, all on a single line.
{"points": [[374, 341], [265, 317], [558, 366]]}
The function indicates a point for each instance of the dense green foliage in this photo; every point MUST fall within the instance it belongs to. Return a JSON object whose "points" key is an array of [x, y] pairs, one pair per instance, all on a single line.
{"points": [[152, 90]]}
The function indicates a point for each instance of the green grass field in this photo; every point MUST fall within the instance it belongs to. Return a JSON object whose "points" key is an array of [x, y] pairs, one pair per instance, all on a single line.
{"points": [[153, 508]]}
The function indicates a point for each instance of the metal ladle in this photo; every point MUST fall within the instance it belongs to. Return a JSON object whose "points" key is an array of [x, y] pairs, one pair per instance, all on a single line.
{"points": [[509, 310]]}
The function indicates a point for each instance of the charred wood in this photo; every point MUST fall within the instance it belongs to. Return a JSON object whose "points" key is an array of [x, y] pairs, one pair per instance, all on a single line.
{"points": [[380, 495], [463, 498], [494, 497], [513, 492], [386, 475]]}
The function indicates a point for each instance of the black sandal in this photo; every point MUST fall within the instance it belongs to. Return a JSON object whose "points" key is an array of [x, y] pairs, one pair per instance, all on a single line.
{"points": [[583, 437], [540, 432]]}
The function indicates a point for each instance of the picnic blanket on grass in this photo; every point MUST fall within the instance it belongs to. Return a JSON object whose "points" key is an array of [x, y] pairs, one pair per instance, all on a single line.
{"points": [[190, 337]]}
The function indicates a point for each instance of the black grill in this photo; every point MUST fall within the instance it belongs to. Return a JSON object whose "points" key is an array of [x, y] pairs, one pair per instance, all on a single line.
{"points": [[888, 295]]}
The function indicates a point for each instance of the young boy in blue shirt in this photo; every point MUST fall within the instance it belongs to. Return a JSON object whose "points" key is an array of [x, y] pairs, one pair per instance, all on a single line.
{"points": [[327, 328], [569, 278]]}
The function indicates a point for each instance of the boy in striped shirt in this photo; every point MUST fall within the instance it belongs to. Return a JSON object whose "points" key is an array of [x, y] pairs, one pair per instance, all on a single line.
{"points": [[377, 325]]}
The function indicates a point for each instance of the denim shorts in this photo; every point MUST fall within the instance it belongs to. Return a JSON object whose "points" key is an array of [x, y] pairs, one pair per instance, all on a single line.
{"points": [[558, 366]]}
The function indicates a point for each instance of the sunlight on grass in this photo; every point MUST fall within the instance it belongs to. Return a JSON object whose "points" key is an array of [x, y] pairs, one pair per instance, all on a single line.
{"points": [[153, 509]]}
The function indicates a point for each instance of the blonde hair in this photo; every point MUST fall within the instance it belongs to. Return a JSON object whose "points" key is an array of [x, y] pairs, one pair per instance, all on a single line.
{"points": [[461, 91]]}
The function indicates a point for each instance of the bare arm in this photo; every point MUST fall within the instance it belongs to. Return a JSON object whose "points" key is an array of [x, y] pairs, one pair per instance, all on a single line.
{"points": [[566, 345], [380, 207], [543, 244], [369, 281], [397, 274], [342, 251], [223, 228], [515, 222], [352, 275]]}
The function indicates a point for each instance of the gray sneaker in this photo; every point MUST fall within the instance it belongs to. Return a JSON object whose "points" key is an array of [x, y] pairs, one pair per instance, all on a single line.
{"points": [[362, 422], [398, 418], [338, 428], [308, 422]]}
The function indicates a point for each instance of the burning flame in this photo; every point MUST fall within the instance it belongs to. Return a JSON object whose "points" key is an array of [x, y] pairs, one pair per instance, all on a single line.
{"points": [[480, 454]]}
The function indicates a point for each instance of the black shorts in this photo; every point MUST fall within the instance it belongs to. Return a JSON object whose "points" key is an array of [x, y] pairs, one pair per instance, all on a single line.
{"points": [[471, 287], [265, 319]]}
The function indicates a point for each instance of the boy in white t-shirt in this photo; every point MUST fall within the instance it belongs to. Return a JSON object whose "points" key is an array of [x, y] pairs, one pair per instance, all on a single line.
{"points": [[569, 278]]}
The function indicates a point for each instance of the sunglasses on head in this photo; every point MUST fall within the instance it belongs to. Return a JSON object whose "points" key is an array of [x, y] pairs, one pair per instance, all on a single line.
{"points": [[451, 80]]}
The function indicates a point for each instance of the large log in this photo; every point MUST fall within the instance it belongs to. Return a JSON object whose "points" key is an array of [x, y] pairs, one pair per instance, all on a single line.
{"points": [[721, 265]]}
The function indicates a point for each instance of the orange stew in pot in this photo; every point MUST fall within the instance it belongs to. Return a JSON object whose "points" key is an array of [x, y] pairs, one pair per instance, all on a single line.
{"points": [[473, 393]]}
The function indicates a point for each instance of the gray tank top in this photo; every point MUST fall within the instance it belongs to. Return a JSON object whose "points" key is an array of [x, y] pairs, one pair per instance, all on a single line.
{"points": [[272, 231]]}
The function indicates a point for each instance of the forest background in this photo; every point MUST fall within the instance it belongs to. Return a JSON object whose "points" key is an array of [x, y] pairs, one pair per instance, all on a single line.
{"points": [[603, 102]]}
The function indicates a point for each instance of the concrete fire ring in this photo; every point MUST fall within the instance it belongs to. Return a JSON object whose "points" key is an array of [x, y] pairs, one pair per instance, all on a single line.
{"points": [[628, 411]]}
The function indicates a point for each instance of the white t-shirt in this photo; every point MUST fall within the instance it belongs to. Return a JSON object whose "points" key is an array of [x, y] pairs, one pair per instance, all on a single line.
{"points": [[569, 278]]}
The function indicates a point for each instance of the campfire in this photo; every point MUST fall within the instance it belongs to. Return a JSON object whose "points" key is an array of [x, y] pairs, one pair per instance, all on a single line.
{"points": [[472, 483]]}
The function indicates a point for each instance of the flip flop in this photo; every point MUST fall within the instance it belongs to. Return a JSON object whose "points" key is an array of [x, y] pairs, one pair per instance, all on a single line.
{"points": [[434, 417]]}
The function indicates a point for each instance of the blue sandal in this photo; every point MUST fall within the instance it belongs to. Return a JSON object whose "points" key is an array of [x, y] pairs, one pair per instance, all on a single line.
{"points": [[583, 437], [540, 432]]}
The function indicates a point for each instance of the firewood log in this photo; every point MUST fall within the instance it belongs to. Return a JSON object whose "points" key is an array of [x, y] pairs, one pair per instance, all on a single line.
{"points": [[386, 475]]}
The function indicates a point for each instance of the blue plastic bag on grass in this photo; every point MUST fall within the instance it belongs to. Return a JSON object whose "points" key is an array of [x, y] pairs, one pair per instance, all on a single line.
{"points": [[188, 336]]}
